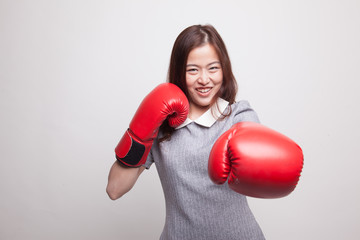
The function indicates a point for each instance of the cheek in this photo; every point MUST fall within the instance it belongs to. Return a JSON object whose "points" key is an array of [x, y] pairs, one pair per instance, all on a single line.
{"points": [[190, 80], [219, 78]]}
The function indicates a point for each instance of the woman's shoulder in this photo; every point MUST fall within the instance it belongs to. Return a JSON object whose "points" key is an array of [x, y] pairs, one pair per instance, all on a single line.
{"points": [[239, 107], [242, 111], [241, 104]]}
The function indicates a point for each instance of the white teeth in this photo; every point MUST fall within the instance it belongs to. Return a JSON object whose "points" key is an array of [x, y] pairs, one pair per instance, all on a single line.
{"points": [[204, 90]]}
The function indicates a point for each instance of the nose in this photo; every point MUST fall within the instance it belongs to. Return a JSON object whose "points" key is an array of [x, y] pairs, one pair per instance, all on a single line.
{"points": [[204, 78]]}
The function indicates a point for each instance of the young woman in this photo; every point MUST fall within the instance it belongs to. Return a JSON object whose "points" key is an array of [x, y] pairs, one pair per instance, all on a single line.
{"points": [[196, 208]]}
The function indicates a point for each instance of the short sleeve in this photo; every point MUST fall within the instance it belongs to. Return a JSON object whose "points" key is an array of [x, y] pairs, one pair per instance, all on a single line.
{"points": [[149, 160], [243, 112]]}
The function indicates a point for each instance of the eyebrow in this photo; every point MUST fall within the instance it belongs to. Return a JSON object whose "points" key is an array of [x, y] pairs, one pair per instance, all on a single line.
{"points": [[194, 65]]}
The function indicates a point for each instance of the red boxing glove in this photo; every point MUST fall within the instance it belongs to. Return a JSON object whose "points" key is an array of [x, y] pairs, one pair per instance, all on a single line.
{"points": [[257, 161], [165, 101]]}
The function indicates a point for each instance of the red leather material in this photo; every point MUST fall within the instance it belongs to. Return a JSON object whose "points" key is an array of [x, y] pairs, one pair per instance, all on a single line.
{"points": [[124, 145], [256, 160], [219, 162], [166, 101]]}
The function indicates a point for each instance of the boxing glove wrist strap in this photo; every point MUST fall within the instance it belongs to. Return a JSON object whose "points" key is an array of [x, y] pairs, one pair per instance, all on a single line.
{"points": [[131, 151]]}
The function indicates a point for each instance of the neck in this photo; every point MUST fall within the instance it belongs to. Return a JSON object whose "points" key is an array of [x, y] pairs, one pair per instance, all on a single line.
{"points": [[196, 111]]}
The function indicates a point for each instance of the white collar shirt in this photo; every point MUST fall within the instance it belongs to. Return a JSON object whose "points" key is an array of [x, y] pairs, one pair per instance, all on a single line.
{"points": [[208, 118]]}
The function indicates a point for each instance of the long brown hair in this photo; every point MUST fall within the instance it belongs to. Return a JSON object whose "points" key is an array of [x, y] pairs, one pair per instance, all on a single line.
{"points": [[190, 38]]}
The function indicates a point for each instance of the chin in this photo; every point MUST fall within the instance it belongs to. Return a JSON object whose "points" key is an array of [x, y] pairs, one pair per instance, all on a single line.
{"points": [[204, 104]]}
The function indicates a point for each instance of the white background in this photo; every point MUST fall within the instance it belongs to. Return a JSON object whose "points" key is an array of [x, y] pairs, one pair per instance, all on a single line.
{"points": [[73, 73]]}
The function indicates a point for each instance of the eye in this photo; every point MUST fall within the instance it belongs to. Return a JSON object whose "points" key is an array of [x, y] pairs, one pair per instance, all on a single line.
{"points": [[214, 68], [192, 70]]}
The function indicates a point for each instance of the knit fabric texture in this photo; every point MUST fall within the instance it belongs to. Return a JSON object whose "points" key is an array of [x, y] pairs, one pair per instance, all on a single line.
{"points": [[196, 208]]}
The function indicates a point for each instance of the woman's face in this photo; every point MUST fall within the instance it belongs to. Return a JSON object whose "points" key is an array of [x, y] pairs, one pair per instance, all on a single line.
{"points": [[204, 78]]}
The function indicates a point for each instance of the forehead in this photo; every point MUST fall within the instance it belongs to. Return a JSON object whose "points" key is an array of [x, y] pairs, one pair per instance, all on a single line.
{"points": [[204, 53]]}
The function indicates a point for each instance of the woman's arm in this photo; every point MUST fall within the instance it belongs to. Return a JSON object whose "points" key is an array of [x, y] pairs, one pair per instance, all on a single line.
{"points": [[121, 180]]}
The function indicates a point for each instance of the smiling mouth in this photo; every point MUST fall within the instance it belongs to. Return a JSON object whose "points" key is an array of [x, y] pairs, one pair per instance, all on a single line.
{"points": [[203, 90]]}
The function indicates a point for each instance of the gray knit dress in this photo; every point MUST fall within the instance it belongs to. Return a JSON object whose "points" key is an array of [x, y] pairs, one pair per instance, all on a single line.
{"points": [[196, 208]]}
